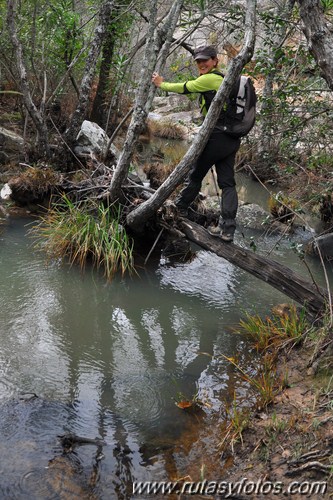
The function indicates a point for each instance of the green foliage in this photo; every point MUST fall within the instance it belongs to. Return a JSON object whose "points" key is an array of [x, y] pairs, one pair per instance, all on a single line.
{"points": [[327, 5], [51, 35], [287, 324], [275, 427], [320, 160], [63, 26], [85, 231], [294, 110]]}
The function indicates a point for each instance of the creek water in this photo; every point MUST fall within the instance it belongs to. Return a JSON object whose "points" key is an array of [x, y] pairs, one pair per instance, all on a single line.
{"points": [[108, 361]]}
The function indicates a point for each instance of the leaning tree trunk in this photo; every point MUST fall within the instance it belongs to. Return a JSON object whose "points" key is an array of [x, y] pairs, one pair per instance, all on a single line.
{"points": [[36, 116], [145, 211], [155, 40], [81, 110], [319, 36]]}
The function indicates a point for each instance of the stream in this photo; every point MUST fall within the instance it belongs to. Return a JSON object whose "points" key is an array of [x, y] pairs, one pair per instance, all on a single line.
{"points": [[108, 361]]}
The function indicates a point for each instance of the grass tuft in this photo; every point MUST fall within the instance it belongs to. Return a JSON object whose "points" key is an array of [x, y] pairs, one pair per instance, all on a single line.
{"points": [[236, 422], [167, 129], [265, 383], [276, 331], [85, 232]]}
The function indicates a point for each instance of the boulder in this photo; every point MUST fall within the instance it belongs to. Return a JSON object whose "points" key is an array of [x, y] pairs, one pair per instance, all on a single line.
{"points": [[322, 244], [93, 139], [252, 216], [174, 110], [10, 141], [172, 103], [5, 192]]}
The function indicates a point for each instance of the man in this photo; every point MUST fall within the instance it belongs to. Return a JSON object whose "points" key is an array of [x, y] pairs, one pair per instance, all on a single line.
{"points": [[220, 149]]}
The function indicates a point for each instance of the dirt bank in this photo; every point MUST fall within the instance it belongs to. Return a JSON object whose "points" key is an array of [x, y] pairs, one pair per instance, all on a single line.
{"points": [[292, 440], [288, 444]]}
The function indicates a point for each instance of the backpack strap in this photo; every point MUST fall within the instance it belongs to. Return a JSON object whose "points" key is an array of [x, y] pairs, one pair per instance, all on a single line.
{"points": [[186, 91], [206, 97], [217, 72]]}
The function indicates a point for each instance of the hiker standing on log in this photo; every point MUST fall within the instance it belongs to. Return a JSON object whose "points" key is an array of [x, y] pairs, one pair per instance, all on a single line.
{"points": [[220, 149]]}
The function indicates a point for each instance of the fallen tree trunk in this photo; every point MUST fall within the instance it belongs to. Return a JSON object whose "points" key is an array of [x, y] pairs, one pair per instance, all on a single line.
{"points": [[313, 297]]}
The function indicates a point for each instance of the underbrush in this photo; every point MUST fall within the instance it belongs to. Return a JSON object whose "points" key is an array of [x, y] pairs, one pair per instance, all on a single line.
{"points": [[85, 232], [167, 129]]}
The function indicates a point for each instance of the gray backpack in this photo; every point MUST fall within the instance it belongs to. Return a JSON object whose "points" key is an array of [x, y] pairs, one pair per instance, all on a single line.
{"points": [[240, 114]]}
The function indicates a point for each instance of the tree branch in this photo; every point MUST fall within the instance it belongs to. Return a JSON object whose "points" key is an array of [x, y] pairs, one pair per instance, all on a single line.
{"points": [[319, 36], [156, 38], [36, 116], [146, 210]]}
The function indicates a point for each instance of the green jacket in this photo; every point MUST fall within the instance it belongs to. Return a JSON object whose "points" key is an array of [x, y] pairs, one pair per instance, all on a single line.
{"points": [[204, 85]]}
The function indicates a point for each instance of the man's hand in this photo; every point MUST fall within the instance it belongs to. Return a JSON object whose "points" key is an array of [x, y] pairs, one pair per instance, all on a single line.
{"points": [[157, 79]]}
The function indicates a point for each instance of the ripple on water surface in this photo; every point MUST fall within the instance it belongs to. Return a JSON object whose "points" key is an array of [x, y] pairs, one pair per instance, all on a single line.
{"points": [[29, 430], [207, 276], [140, 398]]}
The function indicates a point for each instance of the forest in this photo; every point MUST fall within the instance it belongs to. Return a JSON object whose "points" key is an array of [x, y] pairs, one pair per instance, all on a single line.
{"points": [[70, 64]]}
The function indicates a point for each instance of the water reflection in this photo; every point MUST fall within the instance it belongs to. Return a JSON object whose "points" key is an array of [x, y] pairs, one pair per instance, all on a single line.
{"points": [[107, 361]]}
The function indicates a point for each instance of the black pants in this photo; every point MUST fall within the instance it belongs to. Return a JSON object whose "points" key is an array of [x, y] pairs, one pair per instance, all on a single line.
{"points": [[220, 151]]}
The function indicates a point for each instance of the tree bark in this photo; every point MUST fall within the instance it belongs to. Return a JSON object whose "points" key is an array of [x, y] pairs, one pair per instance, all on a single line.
{"points": [[81, 110], [36, 116], [314, 298], [98, 113], [155, 40], [141, 214], [319, 36], [267, 138]]}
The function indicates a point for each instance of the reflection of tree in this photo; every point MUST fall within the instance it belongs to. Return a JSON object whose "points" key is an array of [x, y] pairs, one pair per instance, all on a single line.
{"points": [[124, 351], [118, 347], [123, 479]]}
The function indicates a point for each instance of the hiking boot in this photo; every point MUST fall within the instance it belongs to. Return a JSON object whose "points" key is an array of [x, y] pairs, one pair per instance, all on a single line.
{"points": [[218, 232], [215, 231], [228, 237]]}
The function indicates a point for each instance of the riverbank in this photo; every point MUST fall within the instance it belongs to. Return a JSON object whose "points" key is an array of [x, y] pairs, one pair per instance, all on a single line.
{"points": [[291, 441], [285, 449]]}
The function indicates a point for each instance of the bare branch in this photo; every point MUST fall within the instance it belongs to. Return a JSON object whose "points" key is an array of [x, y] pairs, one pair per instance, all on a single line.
{"points": [[36, 116], [142, 213]]}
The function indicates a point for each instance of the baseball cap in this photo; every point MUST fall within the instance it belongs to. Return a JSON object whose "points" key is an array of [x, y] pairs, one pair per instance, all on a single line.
{"points": [[205, 52]]}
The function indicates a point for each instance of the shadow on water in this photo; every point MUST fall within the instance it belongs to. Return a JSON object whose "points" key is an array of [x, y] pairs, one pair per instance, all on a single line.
{"points": [[108, 361]]}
